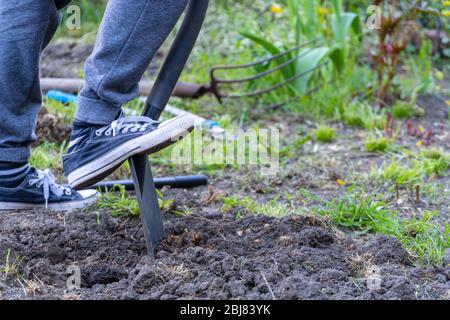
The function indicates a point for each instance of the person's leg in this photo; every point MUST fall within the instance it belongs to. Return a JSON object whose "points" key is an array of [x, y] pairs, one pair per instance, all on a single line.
{"points": [[26, 27], [129, 37]]}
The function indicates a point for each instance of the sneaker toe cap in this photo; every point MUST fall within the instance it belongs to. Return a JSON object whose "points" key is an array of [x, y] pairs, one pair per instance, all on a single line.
{"points": [[89, 193]]}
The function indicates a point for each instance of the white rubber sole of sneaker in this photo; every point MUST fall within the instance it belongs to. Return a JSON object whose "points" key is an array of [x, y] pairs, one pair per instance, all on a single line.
{"points": [[167, 133], [90, 198]]}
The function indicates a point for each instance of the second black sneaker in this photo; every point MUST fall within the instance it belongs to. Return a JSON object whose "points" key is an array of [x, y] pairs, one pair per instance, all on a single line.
{"points": [[96, 152]]}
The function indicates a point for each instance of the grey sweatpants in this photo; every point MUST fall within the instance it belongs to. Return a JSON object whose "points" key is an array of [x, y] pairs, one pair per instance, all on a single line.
{"points": [[129, 36]]}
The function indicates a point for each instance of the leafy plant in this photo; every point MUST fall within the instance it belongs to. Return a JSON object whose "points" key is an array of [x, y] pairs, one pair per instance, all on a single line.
{"points": [[402, 110], [305, 21], [434, 161], [247, 205], [48, 155], [325, 134], [399, 174], [360, 114], [396, 30], [376, 144]]}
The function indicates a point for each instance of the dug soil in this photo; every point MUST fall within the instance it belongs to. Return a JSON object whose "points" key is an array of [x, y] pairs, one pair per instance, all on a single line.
{"points": [[206, 255]]}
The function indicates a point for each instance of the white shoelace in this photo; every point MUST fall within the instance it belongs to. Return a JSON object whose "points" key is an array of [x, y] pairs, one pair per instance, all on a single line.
{"points": [[46, 179], [125, 124]]}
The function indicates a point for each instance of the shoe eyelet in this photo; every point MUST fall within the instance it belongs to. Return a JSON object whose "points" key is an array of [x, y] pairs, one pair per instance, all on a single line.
{"points": [[107, 133], [97, 133], [68, 192]]}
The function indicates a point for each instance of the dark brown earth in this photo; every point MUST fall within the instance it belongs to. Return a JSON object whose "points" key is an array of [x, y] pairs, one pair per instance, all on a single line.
{"points": [[65, 59], [206, 256]]}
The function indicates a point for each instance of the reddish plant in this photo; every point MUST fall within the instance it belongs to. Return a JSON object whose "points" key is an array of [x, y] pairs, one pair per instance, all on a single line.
{"points": [[397, 29]]}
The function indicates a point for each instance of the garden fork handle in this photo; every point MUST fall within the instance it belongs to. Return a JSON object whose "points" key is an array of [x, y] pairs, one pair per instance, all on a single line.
{"points": [[176, 59], [164, 85]]}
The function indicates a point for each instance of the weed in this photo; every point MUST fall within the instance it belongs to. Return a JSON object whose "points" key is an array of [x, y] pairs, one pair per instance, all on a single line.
{"points": [[396, 32], [185, 211], [361, 213], [402, 110], [359, 114], [120, 203], [48, 155], [10, 268], [434, 161], [399, 174], [287, 151], [325, 134], [247, 205], [422, 239], [376, 144]]}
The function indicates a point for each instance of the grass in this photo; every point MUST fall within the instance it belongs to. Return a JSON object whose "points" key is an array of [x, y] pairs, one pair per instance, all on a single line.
{"points": [[434, 161], [325, 134], [402, 110], [121, 204], [376, 144], [11, 267], [247, 205], [48, 155], [398, 174], [361, 115], [421, 238], [414, 169]]}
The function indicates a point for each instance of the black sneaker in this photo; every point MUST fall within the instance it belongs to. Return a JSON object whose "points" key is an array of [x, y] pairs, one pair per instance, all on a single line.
{"points": [[96, 152], [39, 190]]}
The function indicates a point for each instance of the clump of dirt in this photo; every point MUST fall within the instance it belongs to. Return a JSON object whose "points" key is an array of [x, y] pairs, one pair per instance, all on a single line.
{"points": [[51, 128], [208, 256]]}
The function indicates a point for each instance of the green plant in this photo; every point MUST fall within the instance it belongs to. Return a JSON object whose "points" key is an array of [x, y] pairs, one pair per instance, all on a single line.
{"points": [[247, 205], [402, 110], [287, 151], [434, 161], [399, 174], [424, 240], [361, 114], [120, 203], [305, 20], [396, 29], [361, 213], [376, 144], [421, 238], [48, 155], [10, 268], [325, 134]]}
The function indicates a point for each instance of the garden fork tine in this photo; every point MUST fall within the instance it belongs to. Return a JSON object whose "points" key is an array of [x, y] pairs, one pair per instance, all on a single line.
{"points": [[215, 81]]}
